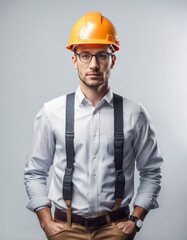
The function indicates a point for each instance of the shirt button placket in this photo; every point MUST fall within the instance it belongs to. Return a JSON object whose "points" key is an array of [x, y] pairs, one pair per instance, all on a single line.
{"points": [[94, 161]]}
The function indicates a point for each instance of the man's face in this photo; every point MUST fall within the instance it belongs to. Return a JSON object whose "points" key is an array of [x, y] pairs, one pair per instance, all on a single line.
{"points": [[94, 73]]}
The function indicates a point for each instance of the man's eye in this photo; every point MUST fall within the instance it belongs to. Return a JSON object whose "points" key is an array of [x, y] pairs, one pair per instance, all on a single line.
{"points": [[102, 56], [85, 56]]}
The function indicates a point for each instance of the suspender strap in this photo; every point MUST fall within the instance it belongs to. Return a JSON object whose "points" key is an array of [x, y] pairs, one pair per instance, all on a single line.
{"points": [[118, 149], [69, 137], [70, 154]]}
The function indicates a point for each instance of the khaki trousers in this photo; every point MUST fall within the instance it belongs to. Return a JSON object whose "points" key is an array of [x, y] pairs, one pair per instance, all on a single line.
{"points": [[78, 232]]}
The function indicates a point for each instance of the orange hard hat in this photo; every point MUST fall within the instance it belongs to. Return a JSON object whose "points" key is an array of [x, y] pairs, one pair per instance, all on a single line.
{"points": [[93, 28]]}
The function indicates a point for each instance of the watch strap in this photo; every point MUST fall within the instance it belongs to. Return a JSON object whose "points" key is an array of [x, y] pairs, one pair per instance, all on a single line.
{"points": [[135, 220]]}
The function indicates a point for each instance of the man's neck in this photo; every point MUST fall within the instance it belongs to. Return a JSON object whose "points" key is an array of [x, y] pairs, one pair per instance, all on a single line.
{"points": [[94, 94]]}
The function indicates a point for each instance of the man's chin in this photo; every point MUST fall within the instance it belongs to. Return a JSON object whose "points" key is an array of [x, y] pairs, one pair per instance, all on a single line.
{"points": [[94, 83]]}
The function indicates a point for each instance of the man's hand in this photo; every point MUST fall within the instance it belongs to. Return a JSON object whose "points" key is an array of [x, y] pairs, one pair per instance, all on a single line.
{"points": [[47, 223], [51, 228], [127, 227]]}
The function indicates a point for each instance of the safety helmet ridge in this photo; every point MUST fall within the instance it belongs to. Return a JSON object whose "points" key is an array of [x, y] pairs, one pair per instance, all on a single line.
{"points": [[93, 28]]}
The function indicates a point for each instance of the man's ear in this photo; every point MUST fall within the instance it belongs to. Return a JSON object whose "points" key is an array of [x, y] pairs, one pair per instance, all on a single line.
{"points": [[74, 60], [113, 61]]}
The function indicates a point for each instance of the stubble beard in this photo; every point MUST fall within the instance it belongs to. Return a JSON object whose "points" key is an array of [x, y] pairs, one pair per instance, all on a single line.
{"points": [[92, 85]]}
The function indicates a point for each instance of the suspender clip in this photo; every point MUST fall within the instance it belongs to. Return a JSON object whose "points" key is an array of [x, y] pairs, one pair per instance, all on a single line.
{"points": [[68, 178], [118, 140], [70, 134], [119, 137], [68, 171]]}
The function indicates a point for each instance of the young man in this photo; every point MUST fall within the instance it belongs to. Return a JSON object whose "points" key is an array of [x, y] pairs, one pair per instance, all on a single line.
{"points": [[94, 146]]}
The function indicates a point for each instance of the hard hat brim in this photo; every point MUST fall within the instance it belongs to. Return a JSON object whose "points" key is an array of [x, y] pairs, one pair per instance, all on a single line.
{"points": [[116, 47]]}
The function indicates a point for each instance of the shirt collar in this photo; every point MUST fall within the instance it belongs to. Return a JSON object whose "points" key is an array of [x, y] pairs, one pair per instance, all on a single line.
{"points": [[108, 96], [79, 95]]}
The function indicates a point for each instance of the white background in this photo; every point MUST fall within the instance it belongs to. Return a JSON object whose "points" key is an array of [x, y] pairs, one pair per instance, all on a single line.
{"points": [[151, 68]]}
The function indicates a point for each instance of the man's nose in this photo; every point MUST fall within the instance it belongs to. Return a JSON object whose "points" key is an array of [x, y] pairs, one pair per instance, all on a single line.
{"points": [[94, 63]]}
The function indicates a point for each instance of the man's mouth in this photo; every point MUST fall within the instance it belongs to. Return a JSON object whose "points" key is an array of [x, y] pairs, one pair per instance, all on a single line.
{"points": [[93, 74]]}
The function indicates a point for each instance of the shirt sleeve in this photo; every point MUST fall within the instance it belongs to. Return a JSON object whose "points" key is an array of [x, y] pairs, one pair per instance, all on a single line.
{"points": [[148, 162], [40, 158]]}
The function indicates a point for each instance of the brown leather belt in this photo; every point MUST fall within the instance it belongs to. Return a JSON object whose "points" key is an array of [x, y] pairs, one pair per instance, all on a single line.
{"points": [[93, 221]]}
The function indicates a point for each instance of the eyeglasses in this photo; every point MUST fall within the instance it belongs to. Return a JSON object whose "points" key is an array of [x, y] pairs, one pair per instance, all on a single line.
{"points": [[101, 57]]}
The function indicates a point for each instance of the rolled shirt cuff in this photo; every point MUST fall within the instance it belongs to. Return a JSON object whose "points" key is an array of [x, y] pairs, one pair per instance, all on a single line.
{"points": [[39, 208], [146, 202], [38, 202]]}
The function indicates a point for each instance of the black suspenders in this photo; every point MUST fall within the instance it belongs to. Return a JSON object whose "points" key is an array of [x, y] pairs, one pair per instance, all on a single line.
{"points": [[70, 153], [118, 149]]}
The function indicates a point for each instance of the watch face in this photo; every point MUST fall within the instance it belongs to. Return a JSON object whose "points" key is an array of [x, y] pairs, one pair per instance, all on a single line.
{"points": [[139, 223]]}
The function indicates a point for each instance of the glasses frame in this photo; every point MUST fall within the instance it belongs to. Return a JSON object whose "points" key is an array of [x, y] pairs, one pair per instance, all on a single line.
{"points": [[93, 55]]}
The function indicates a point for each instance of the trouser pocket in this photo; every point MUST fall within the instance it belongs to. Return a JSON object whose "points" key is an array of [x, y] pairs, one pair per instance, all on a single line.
{"points": [[57, 235], [120, 232]]}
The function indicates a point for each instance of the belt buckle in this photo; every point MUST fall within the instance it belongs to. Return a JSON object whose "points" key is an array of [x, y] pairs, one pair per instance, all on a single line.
{"points": [[88, 222]]}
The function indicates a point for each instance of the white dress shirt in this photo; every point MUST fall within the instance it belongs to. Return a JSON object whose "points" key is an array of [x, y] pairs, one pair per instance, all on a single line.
{"points": [[94, 170]]}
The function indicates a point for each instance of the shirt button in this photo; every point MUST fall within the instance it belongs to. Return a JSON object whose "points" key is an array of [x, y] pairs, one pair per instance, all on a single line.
{"points": [[94, 157], [94, 173], [95, 135]]}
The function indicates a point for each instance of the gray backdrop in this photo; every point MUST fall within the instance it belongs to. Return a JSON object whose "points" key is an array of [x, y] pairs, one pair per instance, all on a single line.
{"points": [[151, 68]]}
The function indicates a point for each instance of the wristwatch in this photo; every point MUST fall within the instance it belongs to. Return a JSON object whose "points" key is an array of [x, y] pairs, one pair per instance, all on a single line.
{"points": [[138, 222]]}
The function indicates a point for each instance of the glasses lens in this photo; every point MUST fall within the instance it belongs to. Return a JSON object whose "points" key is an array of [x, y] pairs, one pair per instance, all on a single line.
{"points": [[85, 57], [102, 57]]}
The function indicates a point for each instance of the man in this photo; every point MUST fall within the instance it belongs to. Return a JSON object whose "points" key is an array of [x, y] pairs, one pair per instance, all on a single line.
{"points": [[93, 146]]}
